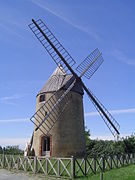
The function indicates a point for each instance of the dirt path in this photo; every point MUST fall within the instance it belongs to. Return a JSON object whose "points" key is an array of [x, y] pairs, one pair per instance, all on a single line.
{"points": [[10, 175]]}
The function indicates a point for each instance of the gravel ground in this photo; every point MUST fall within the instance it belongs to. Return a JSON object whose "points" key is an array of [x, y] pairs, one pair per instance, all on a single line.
{"points": [[11, 175]]}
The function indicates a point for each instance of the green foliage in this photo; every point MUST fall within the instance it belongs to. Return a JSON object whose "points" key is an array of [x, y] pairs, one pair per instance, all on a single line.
{"points": [[101, 147], [13, 150], [1, 150], [87, 136], [129, 144]]}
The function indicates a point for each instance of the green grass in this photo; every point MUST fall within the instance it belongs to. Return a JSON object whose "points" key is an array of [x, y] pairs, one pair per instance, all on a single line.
{"points": [[123, 173]]}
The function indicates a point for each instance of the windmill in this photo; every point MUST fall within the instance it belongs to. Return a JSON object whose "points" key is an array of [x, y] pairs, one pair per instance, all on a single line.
{"points": [[62, 110]]}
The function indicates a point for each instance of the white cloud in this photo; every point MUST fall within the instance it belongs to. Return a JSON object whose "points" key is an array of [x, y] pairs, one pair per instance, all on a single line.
{"points": [[14, 142], [19, 120], [12, 26], [15, 96], [114, 112], [102, 137], [122, 57], [10, 99], [123, 111], [108, 137], [91, 114], [77, 26]]}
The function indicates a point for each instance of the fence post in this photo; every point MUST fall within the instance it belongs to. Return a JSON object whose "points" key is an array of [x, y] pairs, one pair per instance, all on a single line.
{"points": [[3, 157], [95, 168], [111, 161], [133, 158], [123, 159], [101, 175], [35, 164], [72, 167], [18, 162], [103, 161], [117, 160], [46, 165], [85, 165], [58, 168], [10, 162], [26, 163], [131, 155], [127, 158]]}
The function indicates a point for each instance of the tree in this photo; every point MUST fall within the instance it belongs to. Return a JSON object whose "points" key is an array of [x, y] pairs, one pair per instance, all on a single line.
{"points": [[87, 136], [129, 144], [1, 150], [13, 150], [101, 147]]}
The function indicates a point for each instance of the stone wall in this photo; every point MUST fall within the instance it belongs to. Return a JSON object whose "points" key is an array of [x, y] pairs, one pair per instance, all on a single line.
{"points": [[68, 137]]}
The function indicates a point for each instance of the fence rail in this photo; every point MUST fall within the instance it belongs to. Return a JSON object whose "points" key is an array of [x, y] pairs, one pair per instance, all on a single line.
{"points": [[96, 165], [65, 167]]}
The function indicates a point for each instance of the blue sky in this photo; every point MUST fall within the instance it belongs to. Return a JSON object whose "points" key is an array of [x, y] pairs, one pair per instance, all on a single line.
{"points": [[81, 26]]}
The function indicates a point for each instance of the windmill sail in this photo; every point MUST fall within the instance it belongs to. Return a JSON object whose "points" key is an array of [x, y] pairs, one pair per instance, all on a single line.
{"points": [[47, 115], [86, 68], [90, 64], [109, 120], [51, 44]]}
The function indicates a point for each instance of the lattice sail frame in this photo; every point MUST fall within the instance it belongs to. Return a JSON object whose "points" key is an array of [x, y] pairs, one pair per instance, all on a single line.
{"points": [[116, 125], [90, 64], [62, 57], [46, 116], [51, 50]]}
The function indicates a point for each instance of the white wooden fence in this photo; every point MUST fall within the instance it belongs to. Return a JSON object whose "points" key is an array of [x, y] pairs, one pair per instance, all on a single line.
{"points": [[65, 167], [48, 166]]}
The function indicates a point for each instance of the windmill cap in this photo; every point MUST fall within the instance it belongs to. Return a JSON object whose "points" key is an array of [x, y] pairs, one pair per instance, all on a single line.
{"points": [[58, 80]]}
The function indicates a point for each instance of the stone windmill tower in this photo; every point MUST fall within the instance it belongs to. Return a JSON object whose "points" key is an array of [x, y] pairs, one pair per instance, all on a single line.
{"points": [[63, 138], [59, 117]]}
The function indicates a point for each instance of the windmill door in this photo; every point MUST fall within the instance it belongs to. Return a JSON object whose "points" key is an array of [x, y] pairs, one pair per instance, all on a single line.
{"points": [[45, 146]]}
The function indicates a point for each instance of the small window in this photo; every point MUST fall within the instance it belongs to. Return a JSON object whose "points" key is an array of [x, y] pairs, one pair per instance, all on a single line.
{"points": [[42, 98], [46, 144]]}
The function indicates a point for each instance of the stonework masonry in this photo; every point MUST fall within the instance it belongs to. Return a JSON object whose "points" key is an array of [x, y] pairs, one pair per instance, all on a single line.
{"points": [[67, 135]]}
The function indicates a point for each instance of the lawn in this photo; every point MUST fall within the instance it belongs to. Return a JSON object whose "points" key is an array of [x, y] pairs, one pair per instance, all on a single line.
{"points": [[123, 173]]}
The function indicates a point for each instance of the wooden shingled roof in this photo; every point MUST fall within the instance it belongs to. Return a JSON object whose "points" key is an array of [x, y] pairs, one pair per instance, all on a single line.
{"points": [[58, 80]]}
